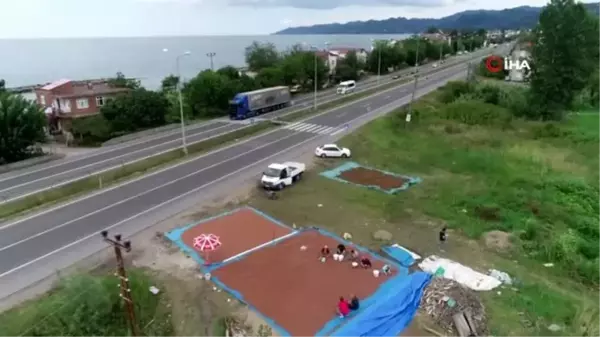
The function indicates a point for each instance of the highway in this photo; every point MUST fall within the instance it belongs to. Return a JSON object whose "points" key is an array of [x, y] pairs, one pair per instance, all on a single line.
{"points": [[39, 236], [19, 184]]}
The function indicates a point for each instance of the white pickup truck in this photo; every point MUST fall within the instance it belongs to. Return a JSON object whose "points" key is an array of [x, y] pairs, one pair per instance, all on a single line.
{"points": [[278, 176]]}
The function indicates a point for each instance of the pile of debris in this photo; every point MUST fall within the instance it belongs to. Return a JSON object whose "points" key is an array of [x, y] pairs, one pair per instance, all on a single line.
{"points": [[236, 327], [443, 298]]}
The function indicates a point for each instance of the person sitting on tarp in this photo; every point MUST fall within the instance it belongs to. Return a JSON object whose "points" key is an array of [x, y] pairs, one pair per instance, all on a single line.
{"points": [[324, 252], [354, 304], [339, 253], [365, 262], [343, 308], [386, 269], [354, 255]]}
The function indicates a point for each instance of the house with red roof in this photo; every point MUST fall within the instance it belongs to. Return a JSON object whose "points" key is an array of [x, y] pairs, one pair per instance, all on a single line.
{"points": [[64, 100]]}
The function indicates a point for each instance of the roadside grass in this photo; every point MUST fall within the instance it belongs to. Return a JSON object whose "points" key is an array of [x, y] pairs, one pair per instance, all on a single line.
{"points": [[537, 182], [105, 179], [89, 305]]}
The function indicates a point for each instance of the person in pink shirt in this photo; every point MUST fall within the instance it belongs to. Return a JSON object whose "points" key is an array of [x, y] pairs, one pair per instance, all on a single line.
{"points": [[343, 308]]}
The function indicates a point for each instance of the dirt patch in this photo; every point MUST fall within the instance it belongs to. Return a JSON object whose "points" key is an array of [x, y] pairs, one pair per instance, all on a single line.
{"points": [[306, 290], [369, 177], [498, 240], [238, 231]]}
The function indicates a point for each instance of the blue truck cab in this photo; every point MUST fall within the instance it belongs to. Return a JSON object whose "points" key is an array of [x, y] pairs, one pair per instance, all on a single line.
{"points": [[238, 107]]}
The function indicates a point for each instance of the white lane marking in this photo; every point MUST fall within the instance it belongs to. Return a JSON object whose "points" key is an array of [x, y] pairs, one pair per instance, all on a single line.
{"points": [[62, 183], [142, 193], [328, 130], [116, 147], [281, 238], [375, 95], [387, 106], [338, 132], [313, 128]]}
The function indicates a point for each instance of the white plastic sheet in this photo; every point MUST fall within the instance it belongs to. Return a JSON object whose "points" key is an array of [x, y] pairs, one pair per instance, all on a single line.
{"points": [[459, 273]]}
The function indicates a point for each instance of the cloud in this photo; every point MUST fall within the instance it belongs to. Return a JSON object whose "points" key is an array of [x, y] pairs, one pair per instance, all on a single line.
{"points": [[331, 4]]}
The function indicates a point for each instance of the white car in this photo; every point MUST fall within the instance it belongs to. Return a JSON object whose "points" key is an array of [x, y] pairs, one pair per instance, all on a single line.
{"points": [[332, 150]]}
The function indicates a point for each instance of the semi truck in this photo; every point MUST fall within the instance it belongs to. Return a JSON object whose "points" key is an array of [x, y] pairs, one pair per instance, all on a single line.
{"points": [[253, 103], [278, 176]]}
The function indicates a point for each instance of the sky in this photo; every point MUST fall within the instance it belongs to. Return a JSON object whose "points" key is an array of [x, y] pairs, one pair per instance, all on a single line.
{"points": [[121, 18]]}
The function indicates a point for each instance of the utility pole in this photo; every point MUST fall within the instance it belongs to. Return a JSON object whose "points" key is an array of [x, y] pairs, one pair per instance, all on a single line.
{"points": [[412, 98], [211, 55], [125, 294]]}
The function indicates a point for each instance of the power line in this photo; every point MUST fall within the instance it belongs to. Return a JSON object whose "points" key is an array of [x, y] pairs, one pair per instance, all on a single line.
{"points": [[125, 294]]}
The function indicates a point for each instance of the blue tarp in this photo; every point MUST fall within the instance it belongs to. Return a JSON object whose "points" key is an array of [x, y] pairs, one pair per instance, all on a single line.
{"points": [[391, 316], [400, 255]]}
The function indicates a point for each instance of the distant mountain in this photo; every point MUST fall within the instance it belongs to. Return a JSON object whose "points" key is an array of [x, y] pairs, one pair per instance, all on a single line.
{"points": [[513, 18]]}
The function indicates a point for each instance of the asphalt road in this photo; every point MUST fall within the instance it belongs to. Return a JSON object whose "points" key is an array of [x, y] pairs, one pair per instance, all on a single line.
{"points": [[41, 235], [20, 184]]}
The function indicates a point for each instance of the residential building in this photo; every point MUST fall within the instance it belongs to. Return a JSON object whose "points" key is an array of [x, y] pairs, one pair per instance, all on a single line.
{"points": [[66, 99], [438, 37], [332, 56]]}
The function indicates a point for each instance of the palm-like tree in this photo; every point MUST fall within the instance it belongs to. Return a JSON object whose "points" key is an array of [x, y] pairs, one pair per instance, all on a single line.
{"points": [[21, 126]]}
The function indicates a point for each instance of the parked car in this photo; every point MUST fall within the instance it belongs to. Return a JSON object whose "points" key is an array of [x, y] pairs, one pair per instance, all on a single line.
{"points": [[332, 151], [395, 77]]}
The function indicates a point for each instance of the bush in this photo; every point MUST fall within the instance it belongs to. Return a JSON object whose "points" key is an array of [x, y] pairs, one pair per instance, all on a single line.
{"points": [[87, 305], [453, 90], [475, 112], [90, 130]]}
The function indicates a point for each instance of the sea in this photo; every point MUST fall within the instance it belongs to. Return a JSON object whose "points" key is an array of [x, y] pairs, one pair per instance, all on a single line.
{"points": [[37, 61]]}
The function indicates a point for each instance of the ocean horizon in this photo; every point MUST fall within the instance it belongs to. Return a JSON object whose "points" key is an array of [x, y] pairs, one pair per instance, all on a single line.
{"points": [[26, 62]]}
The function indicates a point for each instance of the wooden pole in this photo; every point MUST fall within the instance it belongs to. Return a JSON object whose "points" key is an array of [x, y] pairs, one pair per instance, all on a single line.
{"points": [[125, 290]]}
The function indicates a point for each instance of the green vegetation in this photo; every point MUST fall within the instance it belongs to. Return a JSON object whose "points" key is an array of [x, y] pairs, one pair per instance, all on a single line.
{"points": [[104, 179], [21, 127], [86, 305], [483, 170]]}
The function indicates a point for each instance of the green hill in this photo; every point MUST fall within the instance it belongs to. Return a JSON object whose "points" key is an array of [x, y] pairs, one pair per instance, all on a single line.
{"points": [[513, 18]]}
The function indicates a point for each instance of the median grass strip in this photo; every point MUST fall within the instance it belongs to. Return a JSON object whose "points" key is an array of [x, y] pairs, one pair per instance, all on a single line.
{"points": [[104, 179]]}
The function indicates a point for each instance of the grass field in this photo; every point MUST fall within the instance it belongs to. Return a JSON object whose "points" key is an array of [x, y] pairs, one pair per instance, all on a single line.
{"points": [[536, 183], [89, 305]]}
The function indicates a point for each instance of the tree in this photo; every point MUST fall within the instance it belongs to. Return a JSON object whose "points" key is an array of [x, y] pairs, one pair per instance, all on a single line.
{"points": [[565, 53], [21, 126], [169, 83], [209, 93], [135, 110], [120, 81], [270, 77], [230, 72], [348, 68], [261, 55], [173, 114], [91, 130], [299, 67], [2, 85]]}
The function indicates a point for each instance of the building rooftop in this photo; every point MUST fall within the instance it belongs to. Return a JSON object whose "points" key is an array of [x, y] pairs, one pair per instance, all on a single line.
{"points": [[55, 84]]}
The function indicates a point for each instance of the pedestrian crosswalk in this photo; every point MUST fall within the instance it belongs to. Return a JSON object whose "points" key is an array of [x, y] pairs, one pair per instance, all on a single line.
{"points": [[308, 127]]}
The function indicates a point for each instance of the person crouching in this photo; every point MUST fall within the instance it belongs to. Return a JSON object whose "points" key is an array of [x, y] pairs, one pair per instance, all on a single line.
{"points": [[339, 253]]}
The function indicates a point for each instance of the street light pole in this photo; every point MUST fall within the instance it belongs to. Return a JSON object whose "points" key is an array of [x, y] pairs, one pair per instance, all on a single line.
{"points": [[379, 66], [124, 281], [412, 98], [180, 98], [211, 55], [316, 83]]}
